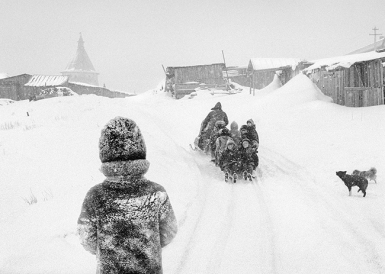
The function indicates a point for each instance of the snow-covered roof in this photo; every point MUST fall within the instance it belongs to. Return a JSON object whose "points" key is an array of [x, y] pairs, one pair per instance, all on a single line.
{"points": [[46, 80], [345, 61], [379, 45], [199, 65], [271, 63]]}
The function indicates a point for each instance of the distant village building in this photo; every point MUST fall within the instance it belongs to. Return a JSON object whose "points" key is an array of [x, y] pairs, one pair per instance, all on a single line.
{"points": [[80, 69], [356, 80], [262, 70], [378, 46], [37, 84], [181, 81], [79, 77], [237, 74], [13, 87]]}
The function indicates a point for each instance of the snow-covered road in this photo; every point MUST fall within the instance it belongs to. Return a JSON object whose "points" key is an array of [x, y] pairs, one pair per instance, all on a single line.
{"points": [[296, 217], [284, 221]]}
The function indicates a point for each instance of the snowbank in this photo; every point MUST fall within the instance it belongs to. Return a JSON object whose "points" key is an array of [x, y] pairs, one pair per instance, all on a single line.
{"points": [[298, 217]]}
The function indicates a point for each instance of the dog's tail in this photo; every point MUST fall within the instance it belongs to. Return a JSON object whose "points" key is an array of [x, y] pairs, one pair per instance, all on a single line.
{"points": [[373, 170]]}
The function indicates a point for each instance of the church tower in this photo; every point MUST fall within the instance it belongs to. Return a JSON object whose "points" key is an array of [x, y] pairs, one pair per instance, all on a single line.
{"points": [[80, 69]]}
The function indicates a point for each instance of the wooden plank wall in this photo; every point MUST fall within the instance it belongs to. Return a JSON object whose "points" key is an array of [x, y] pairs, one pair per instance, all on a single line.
{"points": [[8, 92], [263, 78], [208, 74], [360, 85]]}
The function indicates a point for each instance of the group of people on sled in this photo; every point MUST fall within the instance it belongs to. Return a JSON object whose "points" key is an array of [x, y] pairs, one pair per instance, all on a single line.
{"points": [[234, 151]]}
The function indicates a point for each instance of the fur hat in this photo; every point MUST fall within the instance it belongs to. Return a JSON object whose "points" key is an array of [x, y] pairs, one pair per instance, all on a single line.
{"points": [[250, 121], [121, 140], [224, 131], [217, 106]]}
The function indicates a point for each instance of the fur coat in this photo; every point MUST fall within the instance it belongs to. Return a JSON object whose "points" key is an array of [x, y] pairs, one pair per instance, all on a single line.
{"points": [[126, 220]]}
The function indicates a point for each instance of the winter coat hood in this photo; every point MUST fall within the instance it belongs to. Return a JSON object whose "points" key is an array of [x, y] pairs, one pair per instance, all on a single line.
{"points": [[250, 121], [220, 124], [230, 142], [124, 173], [122, 151], [217, 106]]}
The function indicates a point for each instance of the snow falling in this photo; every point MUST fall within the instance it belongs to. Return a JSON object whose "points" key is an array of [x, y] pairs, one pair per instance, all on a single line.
{"points": [[296, 217]]}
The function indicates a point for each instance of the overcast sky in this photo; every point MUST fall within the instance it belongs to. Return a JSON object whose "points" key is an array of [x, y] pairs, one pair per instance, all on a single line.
{"points": [[128, 41]]}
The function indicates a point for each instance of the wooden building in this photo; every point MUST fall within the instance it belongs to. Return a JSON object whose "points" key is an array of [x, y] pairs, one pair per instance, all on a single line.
{"points": [[261, 71], [237, 75], [13, 87], [81, 89], [38, 83], [352, 80], [181, 81]]}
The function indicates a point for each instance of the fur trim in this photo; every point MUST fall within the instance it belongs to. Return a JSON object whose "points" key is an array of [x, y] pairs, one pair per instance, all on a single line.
{"points": [[127, 169]]}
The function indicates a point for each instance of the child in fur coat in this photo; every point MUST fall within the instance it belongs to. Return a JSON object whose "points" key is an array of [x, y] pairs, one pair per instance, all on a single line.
{"points": [[126, 220]]}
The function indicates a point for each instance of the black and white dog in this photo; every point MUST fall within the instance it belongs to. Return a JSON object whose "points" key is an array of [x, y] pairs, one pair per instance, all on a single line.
{"points": [[353, 180]]}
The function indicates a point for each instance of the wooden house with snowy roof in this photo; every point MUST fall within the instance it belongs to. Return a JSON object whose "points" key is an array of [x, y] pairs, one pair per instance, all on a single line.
{"points": [[181, 81], [13, 87], [237, 74], [262, 70], [355, 80], [80, 69]]}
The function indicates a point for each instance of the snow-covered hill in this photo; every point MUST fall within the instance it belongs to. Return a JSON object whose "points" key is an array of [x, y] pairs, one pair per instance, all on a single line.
{"points": [[296, 217]]}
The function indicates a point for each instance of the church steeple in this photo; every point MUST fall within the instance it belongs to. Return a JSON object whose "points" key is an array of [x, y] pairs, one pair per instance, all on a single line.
{"points": [[80, 69], [80, 42]]}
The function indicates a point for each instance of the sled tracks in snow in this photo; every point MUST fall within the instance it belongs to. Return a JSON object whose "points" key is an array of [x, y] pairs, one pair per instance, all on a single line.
{"points": [[238, 228], [232, 230]]}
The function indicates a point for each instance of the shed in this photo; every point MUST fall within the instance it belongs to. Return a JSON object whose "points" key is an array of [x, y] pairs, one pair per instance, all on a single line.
{"points": [[13, 87], [262, 70], [237, 74], [81, 88], [181, 81], [37, 83], [355, 80]]}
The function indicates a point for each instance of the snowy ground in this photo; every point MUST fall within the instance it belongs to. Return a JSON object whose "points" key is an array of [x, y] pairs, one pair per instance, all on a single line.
{"points": [[296, 217]]}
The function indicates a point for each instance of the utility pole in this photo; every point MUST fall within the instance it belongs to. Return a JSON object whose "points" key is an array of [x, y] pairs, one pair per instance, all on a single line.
{"points": [[375, 37]]}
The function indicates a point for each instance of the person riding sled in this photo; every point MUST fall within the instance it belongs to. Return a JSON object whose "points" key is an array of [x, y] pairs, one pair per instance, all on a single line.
{"points": [[208, 124], [249, 159], [230, 162], [211, 147], [221, 143], [249, 132], [235, 133]]}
